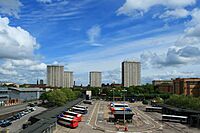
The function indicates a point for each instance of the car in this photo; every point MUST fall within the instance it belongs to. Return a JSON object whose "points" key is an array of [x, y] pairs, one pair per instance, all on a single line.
{"points": [[25, 125], [25, 112], [22, 113], [5, 123], [31, 105], [1, 121], [11, 118], [31, 108], [18, 115]]}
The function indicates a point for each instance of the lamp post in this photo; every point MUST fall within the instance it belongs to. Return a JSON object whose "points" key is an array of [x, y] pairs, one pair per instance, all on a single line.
{"points": [[124, 104], [113, 93]]}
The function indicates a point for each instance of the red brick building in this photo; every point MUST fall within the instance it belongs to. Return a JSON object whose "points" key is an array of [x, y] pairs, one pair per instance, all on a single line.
{"points": [[187, 86], [165, 86]]}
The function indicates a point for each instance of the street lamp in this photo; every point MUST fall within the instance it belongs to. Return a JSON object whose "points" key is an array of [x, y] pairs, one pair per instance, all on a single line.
{"points": [[124, 105], [113, 93]]}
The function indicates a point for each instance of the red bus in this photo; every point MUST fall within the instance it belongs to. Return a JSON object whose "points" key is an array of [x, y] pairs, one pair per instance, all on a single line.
{"points": [[77, 115], [73, 123]]}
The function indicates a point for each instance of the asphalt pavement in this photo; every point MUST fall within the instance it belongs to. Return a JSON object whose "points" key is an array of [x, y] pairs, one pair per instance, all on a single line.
{"points": [[10, 109], [16, 126]]}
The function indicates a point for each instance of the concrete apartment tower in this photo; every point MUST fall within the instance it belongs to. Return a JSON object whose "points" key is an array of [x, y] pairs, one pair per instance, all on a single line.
{"points": [[55, 75], [95, 79], [131, 73], [68, 79]]}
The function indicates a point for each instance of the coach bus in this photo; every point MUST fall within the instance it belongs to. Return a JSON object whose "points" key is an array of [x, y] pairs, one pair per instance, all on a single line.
{"points": [[77, 115], [80, 106], [73, 123], [175, 118], [79, 110], [154, 109]]}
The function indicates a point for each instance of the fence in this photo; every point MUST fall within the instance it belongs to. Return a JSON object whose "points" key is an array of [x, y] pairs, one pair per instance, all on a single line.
{"points": [[51, 128]]}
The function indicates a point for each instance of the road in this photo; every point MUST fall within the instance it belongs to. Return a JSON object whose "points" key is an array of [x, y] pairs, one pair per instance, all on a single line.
{"points": [[143, 122], [16, 126], [84, 125], [10, 109]]}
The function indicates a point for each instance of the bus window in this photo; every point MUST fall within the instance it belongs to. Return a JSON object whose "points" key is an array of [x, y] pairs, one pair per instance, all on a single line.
{"points": [[73, 123]]}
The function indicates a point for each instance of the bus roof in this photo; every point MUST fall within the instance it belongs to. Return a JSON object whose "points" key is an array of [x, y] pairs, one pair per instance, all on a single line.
{"points": [[78, 108], [68, 116], [120, 103], [65, 118], [71, 112], [153, 107], [175, 116]]}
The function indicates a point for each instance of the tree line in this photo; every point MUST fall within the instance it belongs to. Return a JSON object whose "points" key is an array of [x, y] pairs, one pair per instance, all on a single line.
{"points": [[58, 97], [186, 102]]}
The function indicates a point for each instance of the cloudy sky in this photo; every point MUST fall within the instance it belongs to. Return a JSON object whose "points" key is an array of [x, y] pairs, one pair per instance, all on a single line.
{"points": [[86, 35]]}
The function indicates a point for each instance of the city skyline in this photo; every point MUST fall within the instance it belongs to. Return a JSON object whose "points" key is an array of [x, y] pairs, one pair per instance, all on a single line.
{"points": [[99, 35]]}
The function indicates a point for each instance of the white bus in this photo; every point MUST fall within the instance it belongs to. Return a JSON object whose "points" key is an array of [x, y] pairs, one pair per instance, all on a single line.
{"points": [[80, 106], [79, 110], [154, 109], [175, 118]]}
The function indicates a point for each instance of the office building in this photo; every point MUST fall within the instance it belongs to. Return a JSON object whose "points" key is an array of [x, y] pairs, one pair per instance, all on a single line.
{"points": [[95, 79], [68, 79], [131, 73], [187, 86], [55, 76]]}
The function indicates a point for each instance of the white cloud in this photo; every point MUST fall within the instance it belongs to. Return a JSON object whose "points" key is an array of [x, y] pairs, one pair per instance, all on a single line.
{"points": [[22, 71], [44, 1], [139, 7], [18, 61], [7, 71], [177, 13], [15, 42], [10, 7], [93, 34], [168, 74], [38, 67], [173, 58]]}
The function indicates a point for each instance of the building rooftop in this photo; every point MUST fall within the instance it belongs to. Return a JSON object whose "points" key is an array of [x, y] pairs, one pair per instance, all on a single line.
{"points": [[25, 89], [55, 66], [131, 62]]}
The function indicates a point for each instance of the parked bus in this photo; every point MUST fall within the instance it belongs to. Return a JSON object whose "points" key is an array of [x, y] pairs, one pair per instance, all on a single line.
{"points": [[175, 118], [73, 123], [79, 110], [119, 107], [154, 109], [87, 102], [80, 106], [68, 116], [77, 115]]}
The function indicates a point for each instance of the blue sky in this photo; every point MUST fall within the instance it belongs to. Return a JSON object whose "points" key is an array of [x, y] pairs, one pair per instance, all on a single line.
{"points": [[87, 35]]}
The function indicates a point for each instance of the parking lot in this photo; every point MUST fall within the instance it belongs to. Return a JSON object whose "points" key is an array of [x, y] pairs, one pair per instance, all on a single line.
{"points": [[96, 120], [16, 125]]}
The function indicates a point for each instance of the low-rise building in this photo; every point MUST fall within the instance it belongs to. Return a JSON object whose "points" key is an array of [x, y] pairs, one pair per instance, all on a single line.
{"points": [[25, 94], [165, 86], [187, 86]]}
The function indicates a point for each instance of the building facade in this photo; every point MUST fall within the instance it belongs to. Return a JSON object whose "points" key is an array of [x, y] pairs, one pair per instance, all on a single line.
{"points": [[187, 86], [95, 79], [131, 73], [165, 86], [68, 79], [25, 94], [55, 76]]}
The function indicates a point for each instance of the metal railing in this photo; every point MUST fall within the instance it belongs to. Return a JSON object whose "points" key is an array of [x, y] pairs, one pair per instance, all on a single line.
{"points": [[51, 128]]}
